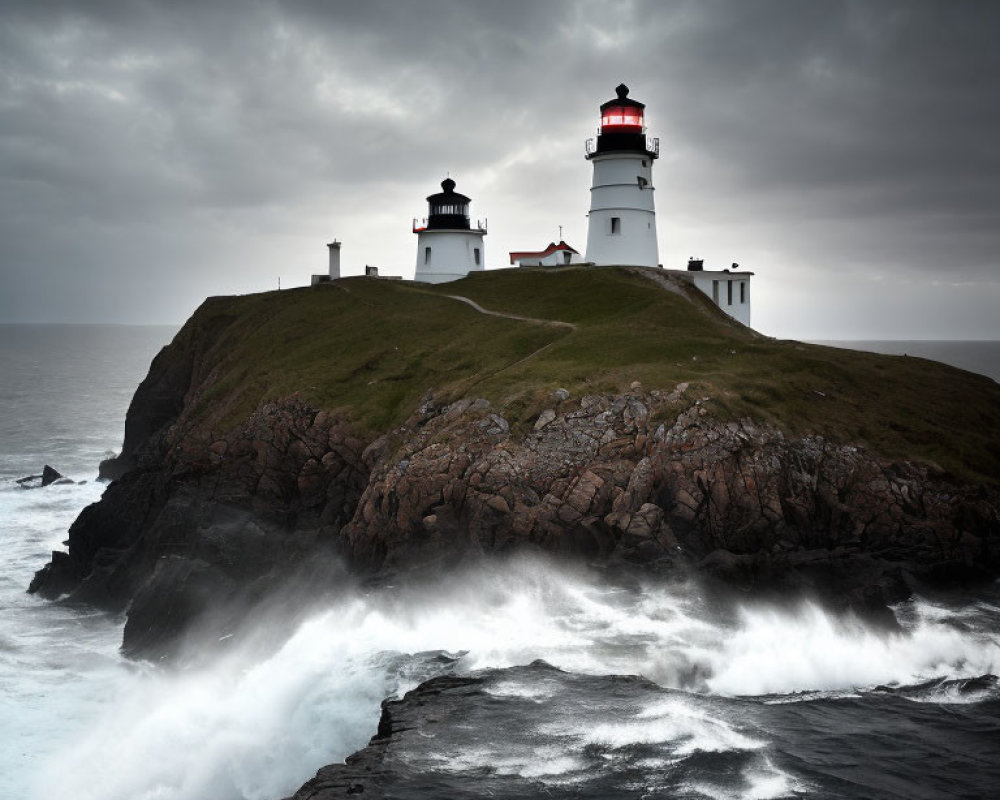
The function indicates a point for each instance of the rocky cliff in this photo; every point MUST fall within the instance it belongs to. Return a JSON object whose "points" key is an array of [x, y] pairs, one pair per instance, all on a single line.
{"points": [[396, 450]]}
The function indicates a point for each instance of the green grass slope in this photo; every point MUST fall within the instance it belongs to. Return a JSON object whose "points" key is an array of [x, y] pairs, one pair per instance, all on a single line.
{"points": [[373, 349]]}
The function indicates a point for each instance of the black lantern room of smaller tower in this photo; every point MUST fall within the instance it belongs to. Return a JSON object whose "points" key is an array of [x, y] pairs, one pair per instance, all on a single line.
{"points": [[448, 210], [623, 128]]}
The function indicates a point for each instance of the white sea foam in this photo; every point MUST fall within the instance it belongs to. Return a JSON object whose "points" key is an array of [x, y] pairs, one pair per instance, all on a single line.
{"points": [[543, 763], [761, 781], [527, 691], [256, 726], [781, 651], [679, 721]]}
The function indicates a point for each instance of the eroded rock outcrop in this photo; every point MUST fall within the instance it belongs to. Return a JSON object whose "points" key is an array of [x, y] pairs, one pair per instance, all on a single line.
{"points": [[652, 479], [647, 480], [204, 523]]}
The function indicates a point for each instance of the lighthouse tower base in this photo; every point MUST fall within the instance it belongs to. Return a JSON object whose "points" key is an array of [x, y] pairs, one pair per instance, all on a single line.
{"points": [[622, 219], [447, 255]]}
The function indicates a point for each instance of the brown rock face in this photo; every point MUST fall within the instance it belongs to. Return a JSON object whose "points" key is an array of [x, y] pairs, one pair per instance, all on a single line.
{"points": [[601, 480]]}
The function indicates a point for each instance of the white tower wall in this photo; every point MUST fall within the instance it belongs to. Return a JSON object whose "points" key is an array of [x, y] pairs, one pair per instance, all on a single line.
{"points": [[622, 190], [334, 248], [452, 256]]}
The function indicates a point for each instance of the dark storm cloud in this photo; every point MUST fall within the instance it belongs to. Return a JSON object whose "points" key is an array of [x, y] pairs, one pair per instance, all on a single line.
{"points": [[194, 146]]}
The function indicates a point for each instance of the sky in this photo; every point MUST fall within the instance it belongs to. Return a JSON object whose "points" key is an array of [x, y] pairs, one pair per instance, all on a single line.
{"points": [[155, 152]]}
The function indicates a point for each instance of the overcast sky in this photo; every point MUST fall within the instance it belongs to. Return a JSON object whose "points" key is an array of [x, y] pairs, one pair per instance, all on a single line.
{"points": [[153, 153]]}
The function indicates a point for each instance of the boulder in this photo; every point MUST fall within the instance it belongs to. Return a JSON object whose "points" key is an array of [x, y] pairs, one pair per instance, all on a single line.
{"points": [[50, 475]]}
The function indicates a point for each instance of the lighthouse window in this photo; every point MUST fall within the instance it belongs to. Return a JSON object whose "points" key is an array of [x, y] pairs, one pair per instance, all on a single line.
{"points": [[616, 225], [715, 290], [729, 293], [449, 208], [621, 117], [743, 291], [427, 255], [475, 255]]}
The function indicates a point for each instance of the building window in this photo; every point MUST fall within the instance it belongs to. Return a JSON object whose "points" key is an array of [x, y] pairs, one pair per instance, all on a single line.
{"points": [[616, 225], [566, 257], [427, 255], [715, 292], [729, 293], [743, 291], [475, 255]]}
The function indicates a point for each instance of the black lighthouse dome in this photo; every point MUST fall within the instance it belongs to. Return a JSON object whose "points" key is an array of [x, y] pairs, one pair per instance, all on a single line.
{"points": [[623, 127], [448, 210]]}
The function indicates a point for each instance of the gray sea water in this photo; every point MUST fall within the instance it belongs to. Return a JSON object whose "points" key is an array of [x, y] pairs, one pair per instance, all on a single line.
{"points": [[975, 356], [753, 701]]}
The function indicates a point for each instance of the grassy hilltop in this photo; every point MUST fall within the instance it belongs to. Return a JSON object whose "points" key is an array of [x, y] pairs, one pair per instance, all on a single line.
{"points": [[373, 350]]}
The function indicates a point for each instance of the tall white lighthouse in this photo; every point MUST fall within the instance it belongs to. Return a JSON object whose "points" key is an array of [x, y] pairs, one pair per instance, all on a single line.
{"points": [[448, 247], [622, 219]]}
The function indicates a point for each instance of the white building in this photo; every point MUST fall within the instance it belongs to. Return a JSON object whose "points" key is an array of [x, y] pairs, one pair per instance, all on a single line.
{"points": [[622, 218], [448, 247], [334, 271], [554, 255], [729, 289]]}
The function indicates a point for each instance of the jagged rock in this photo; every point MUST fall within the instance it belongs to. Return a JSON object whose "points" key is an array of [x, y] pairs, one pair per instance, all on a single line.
{"points": [[544, 419], [60, 576], [173, 599], [454, 717], [48, 477]]}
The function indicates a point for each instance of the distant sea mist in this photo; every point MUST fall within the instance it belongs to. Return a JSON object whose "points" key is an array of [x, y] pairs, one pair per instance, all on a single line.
{"points": [[982, 356]]}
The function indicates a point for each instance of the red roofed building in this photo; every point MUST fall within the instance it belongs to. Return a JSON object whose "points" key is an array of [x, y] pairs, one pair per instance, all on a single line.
{"points": [[552, 256]]}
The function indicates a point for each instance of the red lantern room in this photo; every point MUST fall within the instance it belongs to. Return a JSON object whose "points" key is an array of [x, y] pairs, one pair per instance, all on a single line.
{"points": [[623, 128], [622, 115]]}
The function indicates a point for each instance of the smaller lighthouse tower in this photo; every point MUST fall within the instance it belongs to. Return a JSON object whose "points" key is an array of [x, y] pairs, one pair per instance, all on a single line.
{"points": [[622, 219], [448, 247]]}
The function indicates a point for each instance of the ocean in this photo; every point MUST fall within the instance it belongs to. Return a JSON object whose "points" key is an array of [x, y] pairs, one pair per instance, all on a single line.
{"points": [[746, 700], [975, 356]]}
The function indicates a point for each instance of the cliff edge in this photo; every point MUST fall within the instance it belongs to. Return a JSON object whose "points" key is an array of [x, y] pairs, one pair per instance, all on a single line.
{"points": [[612, 415]]}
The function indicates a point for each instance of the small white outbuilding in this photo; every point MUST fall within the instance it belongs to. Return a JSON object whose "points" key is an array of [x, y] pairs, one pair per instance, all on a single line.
{"points": [[554, 255], [728, 288]]}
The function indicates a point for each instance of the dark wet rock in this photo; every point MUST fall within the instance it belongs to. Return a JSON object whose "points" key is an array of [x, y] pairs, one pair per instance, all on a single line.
{"points": [[537, 732], [60, 576], [478, 736], [50, 475], [983, 683], [171, 601], [371, 772], [941, 688]]}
